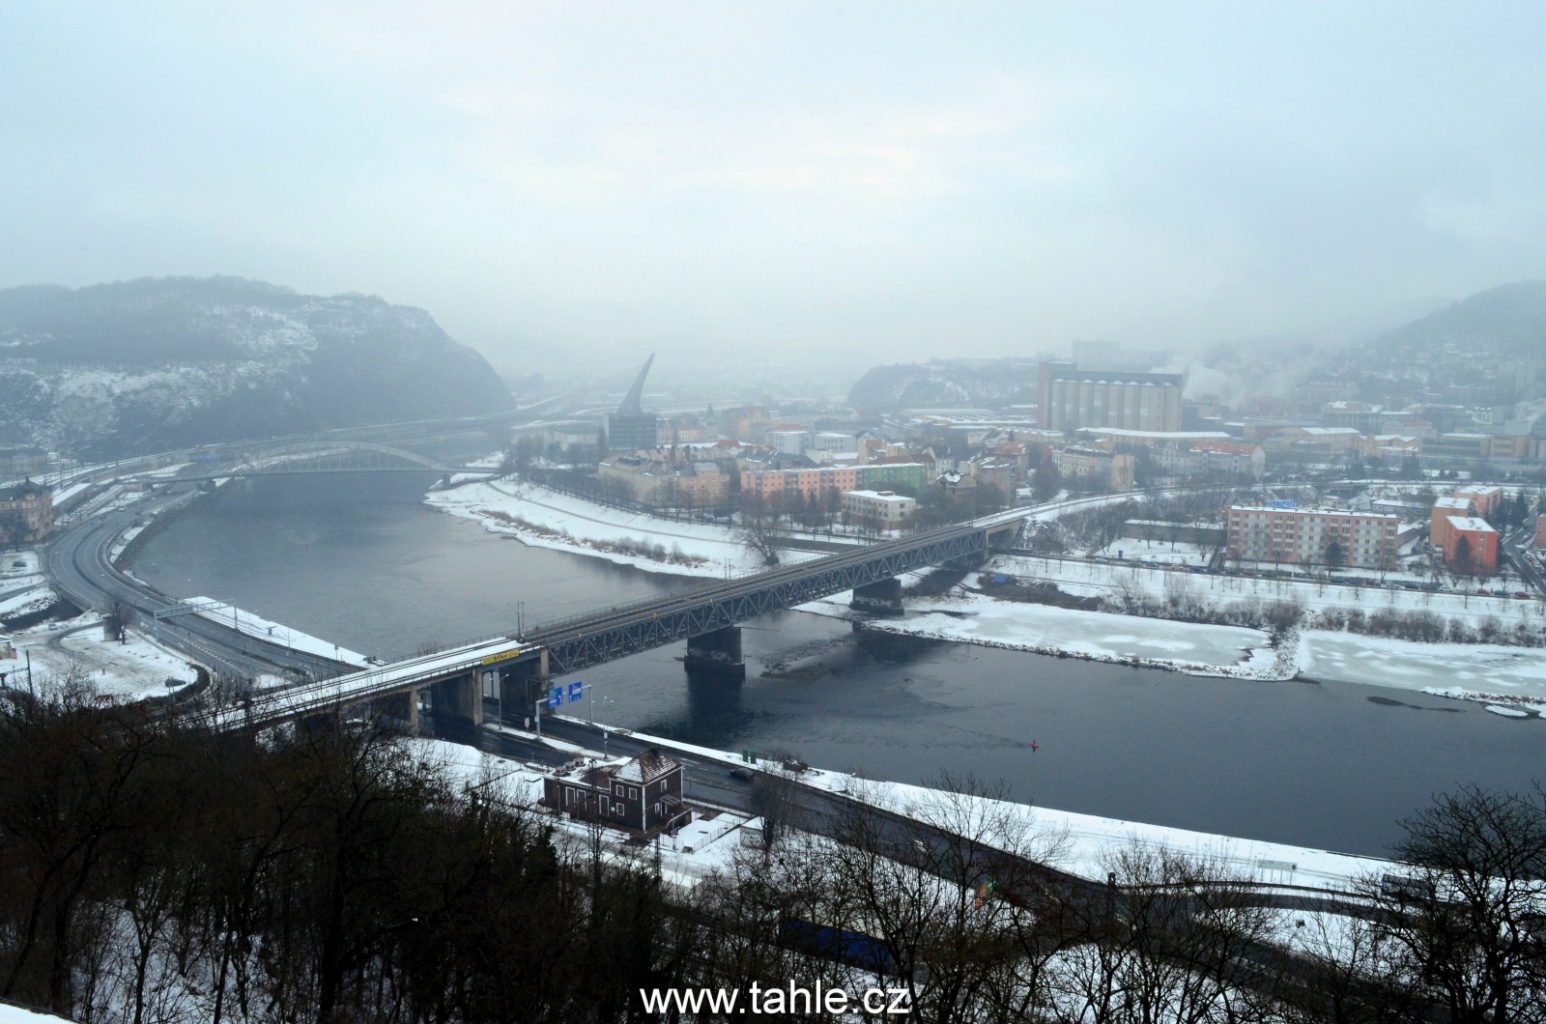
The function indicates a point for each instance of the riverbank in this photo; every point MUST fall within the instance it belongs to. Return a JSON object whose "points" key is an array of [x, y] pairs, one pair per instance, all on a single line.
{"points": [[1084, 844], [1512, 678], [539, 517], [965, 615]]}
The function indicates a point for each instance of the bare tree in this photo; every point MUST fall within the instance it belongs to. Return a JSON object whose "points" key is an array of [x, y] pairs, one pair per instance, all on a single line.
{"points": [[1466, 926]]}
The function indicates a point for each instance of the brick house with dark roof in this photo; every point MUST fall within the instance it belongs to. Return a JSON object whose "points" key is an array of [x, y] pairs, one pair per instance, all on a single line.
{"points": [[642, 794]]}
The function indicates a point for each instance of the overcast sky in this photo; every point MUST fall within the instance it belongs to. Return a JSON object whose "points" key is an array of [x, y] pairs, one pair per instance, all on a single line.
{"points": [[887, 181]]}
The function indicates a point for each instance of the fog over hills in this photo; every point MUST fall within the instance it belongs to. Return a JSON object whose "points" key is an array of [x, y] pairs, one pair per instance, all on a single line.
{"points": [[154, 363], [1509, 320]]}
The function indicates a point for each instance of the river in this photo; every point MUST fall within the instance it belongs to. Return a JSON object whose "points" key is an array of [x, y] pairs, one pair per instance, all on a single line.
{"points": [[362, 562]]}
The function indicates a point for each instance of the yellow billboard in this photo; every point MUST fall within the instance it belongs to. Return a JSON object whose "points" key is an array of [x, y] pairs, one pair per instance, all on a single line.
{"points": [[502, 656]]}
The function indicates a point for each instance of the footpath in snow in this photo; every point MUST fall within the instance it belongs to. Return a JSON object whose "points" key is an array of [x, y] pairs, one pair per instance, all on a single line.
{"points": [[543, 518]]}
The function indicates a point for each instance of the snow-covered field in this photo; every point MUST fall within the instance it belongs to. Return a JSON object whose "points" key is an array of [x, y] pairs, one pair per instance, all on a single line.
{"points": [[1512, 676], [970, 617], [1100, 579], [1135, 549], [18, 563], [138, 668], [543, 518]]}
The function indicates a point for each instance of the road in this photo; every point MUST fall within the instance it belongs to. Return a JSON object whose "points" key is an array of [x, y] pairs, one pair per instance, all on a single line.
{"points": [[79, 563], [1086, 903], [77, 560], [1516, 550]]}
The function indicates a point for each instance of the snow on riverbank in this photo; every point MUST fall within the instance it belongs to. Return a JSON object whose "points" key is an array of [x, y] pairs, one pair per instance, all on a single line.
{"points": [[274, 632], [26, 601], [1493, 674], [1484, 672], [1086, 844], [1102, 579], [971, 617], [542, 518], [1083, 843]]}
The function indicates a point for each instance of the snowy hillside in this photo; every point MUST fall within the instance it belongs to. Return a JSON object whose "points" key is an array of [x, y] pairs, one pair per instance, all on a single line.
{"points": [[156, 363]]}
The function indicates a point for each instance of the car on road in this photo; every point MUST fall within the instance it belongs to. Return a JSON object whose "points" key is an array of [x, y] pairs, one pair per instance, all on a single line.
{"points": [[740, 774], [1521, 594]]}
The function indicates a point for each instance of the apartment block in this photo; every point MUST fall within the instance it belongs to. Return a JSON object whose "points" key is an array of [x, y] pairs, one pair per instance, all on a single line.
{"points": [[1306, 536], [775, 486], [1443, 510], [1484, 499], [883, 510], [1111, 469], [1471, 546]]}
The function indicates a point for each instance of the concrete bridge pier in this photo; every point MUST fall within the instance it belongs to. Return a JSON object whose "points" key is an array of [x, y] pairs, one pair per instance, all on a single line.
{"points": [[716, 654], [883, 597], [520, 684], [459, 699], [1003, 536], [400, 709]]}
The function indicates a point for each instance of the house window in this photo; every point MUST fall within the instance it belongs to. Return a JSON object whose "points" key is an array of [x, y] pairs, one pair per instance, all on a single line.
{"points": [[633, 793]]}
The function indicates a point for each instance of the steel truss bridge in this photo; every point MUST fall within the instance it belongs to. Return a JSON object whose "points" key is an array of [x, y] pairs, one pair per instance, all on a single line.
{"points": [[522, 663], [318, 458], [587, 640]]}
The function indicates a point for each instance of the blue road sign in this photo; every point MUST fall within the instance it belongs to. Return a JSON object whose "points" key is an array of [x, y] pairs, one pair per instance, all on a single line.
{"points": [[576, 692], [555, 696]]}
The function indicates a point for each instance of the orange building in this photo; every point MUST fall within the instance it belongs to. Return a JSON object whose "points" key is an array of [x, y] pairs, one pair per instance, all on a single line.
{"points": [[1443, 510], [1540, 531], [1471, 546], [1484, 499], [775, 485]]}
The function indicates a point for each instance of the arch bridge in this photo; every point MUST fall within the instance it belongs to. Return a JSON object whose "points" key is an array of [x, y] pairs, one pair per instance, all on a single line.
{"points": [[319, 458]]}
